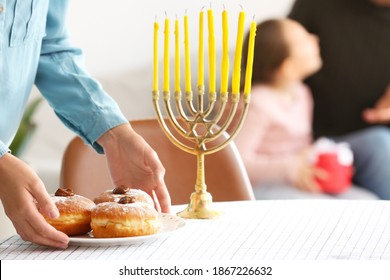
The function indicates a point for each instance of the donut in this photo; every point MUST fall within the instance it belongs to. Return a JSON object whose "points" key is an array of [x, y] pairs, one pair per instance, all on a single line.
{"points": [[125, 218], [114, 195], [75, 212]]}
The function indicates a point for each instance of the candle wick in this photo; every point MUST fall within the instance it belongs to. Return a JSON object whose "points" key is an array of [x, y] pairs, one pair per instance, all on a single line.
{"points": [[210, 5], [166, 15], [254, 16], [242, 8], [202, 8], [224, 7]]}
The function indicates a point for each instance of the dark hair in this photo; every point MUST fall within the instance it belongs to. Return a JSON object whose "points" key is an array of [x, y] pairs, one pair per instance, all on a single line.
{"points": [[270, 51]]}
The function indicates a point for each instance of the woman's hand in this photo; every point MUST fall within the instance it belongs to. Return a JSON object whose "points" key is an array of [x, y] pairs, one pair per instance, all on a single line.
{"points": [[133, 163], [19, 187]]}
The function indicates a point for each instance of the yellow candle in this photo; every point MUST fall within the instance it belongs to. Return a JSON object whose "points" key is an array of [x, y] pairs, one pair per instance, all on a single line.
{"points": [[155, 57], [238, 54], [212, 52], [200, 51], [166, 56], [249, 62], [225, 53], [187, 56], [177, 57]]}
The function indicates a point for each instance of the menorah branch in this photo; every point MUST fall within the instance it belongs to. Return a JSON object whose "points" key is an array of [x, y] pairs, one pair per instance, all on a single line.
{"points": [[222, 104], [190, 104], [166, 129], [234, 132], [172, 118], [233, 109], [212, 100], [179, 106]]}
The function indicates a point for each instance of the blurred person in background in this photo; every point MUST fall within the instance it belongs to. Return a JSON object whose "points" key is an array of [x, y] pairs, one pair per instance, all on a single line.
{"points": [[351, 92], [275, 141]]}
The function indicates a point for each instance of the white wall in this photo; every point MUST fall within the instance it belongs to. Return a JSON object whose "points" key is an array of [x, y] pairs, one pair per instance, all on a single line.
{"points": [[117, 40], [119, 36]]}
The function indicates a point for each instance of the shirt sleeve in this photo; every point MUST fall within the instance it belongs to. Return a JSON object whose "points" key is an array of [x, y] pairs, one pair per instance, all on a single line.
{"points": [[77, 99], [3, 149]]}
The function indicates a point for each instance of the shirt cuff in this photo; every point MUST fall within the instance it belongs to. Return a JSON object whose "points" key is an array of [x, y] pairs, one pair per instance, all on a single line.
{"points": [[3, 149], [101, 128]]}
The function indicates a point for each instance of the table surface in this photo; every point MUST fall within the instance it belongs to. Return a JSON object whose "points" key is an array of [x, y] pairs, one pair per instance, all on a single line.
{"points": [[250, 230]]}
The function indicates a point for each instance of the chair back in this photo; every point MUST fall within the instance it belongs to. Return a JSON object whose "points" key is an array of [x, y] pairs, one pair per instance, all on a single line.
{"points": [[86, 172]]}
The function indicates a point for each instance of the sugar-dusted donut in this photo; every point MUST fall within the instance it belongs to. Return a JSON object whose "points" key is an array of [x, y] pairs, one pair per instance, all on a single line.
{"points": [[75, 212], [124, 218]]}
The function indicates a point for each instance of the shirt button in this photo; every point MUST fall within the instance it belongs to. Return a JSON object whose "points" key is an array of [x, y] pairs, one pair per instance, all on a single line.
{"points": [[1, 9]]}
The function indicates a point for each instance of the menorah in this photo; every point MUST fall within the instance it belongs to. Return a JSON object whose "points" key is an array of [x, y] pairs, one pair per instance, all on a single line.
{"points": [[200, 123]]}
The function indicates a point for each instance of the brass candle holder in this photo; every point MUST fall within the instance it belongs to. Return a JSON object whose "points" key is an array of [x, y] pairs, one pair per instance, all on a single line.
{"points": [[200, 206], [200, 125]]}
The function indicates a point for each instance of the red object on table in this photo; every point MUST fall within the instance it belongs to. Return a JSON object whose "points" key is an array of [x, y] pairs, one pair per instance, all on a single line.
{"points": [[340, 176]]}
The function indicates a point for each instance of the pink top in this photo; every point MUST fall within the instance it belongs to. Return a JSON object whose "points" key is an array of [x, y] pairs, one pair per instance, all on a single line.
{"points": [[275, 131]]}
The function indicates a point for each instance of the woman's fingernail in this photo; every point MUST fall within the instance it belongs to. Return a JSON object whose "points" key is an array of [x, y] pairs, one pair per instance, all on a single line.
{"points": [[54, 213]]}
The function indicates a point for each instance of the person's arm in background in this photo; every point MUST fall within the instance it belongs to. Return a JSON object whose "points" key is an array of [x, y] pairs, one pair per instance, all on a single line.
{"points": [[380, 113]]}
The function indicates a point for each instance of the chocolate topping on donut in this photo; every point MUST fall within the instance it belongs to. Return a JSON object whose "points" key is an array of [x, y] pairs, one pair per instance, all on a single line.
{"points": [[113, 195], [64, 192], [127, 200], [120, 190]]}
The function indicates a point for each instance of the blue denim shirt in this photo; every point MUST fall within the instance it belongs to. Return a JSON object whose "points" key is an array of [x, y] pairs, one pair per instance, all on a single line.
{"points": [[35, 48]]}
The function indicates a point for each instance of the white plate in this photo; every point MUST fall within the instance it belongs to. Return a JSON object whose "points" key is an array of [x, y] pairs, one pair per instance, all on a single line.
{"points": [[169, 224]]}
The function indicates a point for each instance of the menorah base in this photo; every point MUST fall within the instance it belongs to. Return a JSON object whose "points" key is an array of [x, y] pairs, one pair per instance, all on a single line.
{"points": [[200, 207]]}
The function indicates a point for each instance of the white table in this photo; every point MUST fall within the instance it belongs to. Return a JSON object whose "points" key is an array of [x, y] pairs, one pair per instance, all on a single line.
{"points": [[251, 230]]}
